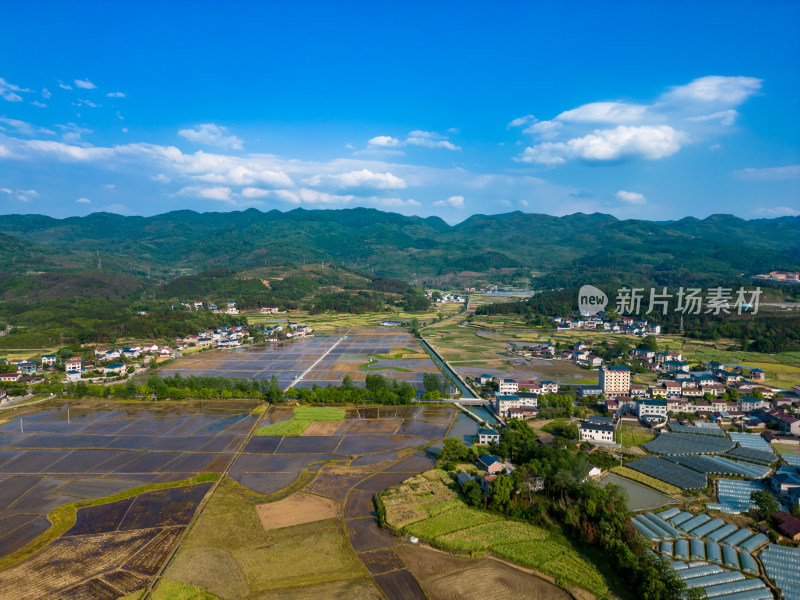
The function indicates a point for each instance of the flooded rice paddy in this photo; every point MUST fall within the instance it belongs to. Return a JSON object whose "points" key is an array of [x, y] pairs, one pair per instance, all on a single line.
{"points": [[65, 453], [289, 360], [640, 497]]}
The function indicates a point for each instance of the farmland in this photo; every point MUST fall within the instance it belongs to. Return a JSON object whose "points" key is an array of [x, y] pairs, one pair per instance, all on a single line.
{"points": [[429, 507], [301, 418]]}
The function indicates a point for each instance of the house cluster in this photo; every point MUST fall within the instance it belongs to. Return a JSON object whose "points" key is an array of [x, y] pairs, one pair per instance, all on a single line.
{"points": [[223, 337], [271, 310], [625, 325], [230, 309], [518, 399], [492, 466], [293, 331], [446, 297], [482, 290], [582, 355], [780, 276]]}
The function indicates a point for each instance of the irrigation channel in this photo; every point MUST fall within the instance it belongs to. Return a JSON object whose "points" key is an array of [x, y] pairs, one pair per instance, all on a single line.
{"points": [[466, 393]]}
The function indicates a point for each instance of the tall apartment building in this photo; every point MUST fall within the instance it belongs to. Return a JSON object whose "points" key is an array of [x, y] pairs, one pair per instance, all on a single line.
{"points": [[615, 380]]}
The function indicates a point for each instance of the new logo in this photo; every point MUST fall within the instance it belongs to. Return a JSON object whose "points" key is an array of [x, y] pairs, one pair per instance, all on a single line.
{"points": [[591, 300]]}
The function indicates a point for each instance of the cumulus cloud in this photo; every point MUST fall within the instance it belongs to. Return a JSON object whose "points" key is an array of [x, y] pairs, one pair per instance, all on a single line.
{"points": [[384, 141], [220, 193], [716, 90], [85, 84], [426, 139], [8, 91], [605, 112], [83, 201], [46, 93], [212, 135], [788, 172], [39, 104], [683, 114], [21, 195], [452, 202], [83, 102], [603, 145], [115, 95], [363, 179], [631, 197], [64, 86]]}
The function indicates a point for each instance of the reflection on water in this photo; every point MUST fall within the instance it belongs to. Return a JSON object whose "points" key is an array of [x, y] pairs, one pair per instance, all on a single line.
{"points": [[483, 414]]}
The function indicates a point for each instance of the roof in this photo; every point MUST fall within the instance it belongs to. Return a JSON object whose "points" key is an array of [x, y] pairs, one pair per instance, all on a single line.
{"points": [[653, 402], [115, 366], [507, 397], [487, 431], [488, 459], [599, 419], [617, 368], [593, 426]]}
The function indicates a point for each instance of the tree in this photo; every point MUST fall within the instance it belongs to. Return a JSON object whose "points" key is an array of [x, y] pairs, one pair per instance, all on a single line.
{"points": [[347, 382], [431, 383], [376, 383], [454, 451], [500, 491], [767, 503], [472, 493]]}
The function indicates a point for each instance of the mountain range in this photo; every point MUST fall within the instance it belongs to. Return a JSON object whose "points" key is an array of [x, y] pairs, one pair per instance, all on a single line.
{"points": [[532, 249]]}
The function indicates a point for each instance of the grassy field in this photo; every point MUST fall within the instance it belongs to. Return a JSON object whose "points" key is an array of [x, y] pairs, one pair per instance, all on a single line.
{"points": [[656, 484], [329, 322], [633, 436], [427, 506], [302, 417], [169, 590]]}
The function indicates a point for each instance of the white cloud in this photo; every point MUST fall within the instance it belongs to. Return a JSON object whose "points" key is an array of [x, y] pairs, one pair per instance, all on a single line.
{"points": [[83, 201], [70, 132], [620, 143], [777, 211], [605, 112], [8, 91], [631, 197], [384, 141], [212, 135], [544, 129], [429, 139], [520, 121], [684, 114], [23, 127], [251, 192], [21, 195], [115, 95], [726, 117], [452, 202], [715, 90], [82, 102], [109, 186], [426, 139], [523, 203], [788, 172], [46, 93], [160, 178], [85, 84], [363, 179], [307, 196], [221, 193], [39, 104], [64, 86]]}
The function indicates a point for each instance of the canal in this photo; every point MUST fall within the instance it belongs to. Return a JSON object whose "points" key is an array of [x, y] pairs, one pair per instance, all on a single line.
{"points": [[451, 375]]}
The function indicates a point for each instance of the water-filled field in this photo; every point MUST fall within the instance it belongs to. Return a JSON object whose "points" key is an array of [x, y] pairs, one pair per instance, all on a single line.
{"points": [[400, 357]]}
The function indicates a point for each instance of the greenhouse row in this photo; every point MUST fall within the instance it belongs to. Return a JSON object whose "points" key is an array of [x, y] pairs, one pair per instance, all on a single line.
{"points": [[751, 440], [678, 428], [679, 476], [688, 443], [721, 584], [782, 565]]}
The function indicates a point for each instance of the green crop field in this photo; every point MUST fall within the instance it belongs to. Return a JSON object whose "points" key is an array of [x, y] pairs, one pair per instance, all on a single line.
{"points": [[302, 417], [633, 436], [428, 507]]}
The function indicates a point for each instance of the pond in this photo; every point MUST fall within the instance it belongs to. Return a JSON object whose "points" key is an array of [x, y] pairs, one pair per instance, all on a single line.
{"points": [[640, 496]]}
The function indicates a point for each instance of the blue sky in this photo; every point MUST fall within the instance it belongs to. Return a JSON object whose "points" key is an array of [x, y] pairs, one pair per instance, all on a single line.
{"points": [[637, 109]]}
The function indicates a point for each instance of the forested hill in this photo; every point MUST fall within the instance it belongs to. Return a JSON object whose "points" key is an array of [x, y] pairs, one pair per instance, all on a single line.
{"points": [[551, 251]]}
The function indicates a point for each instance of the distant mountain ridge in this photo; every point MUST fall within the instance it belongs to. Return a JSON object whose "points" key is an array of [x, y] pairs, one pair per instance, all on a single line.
{"points": [[557, 250]]}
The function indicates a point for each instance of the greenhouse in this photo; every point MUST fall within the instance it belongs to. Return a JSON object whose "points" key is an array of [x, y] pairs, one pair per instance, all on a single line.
{"points": [[679, 476], [687, 443], [751, 440]]}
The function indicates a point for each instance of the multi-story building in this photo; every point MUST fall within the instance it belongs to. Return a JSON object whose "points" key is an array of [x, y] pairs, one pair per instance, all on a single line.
{"points": [[507, 386], [651, 410], [503, 404], [596, 432], [615, 380]]}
